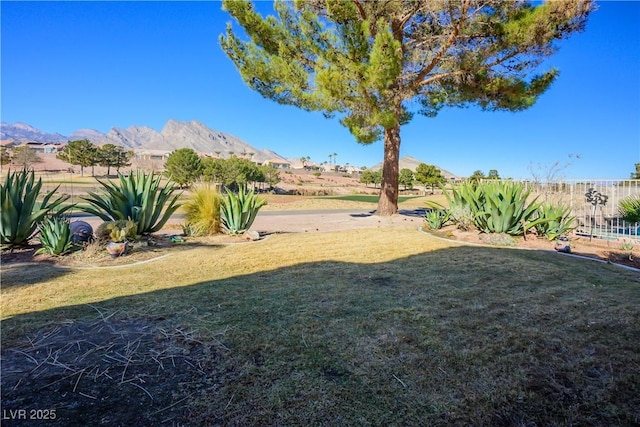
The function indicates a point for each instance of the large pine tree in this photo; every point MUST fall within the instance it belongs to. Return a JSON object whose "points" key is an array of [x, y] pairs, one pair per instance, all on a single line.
{"points": [[375, 63]]}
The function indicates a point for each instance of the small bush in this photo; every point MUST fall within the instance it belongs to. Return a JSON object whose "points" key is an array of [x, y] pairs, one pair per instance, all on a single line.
{"points": [[462, 217], [317, 174], [202, 211], [436, 218], [116, 231]]}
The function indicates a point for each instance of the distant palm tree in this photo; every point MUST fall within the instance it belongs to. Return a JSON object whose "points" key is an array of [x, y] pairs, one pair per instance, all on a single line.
{"points": [[334, 158], [330, 157], [218, 153]]}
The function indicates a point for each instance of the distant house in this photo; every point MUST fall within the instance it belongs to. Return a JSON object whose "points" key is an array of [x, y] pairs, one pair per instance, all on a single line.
{"points": [[43, 147], [278, 163], [152, 154]]}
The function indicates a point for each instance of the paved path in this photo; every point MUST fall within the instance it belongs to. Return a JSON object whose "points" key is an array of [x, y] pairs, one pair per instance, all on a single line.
{"points": [[301, 221]]}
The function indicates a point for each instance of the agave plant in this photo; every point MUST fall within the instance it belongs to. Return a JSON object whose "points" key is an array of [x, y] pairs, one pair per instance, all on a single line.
{"points": [[436, 216], [558, 221], [629, 209], [55, 236], [239, 211], [21, 208], [467, 194], [507, 209], [137, 197]]}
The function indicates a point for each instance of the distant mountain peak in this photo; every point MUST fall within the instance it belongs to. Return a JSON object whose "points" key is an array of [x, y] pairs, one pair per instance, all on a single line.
{"points": [[174, 135], [23, 132]]}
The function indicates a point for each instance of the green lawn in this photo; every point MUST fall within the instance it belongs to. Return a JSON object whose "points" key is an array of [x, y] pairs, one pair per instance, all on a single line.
{"points": [[364, 327]]}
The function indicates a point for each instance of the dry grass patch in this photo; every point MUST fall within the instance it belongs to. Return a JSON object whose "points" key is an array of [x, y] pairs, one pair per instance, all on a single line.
{"points": [[365, 327]]}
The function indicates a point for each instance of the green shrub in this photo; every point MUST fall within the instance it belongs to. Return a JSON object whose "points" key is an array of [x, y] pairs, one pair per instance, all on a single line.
{"points": [[554, 221], [137, 197], [55, 236], [462, 217], [202, 211], [629, 209], [116, 231], [21, 211], [239, 211]]}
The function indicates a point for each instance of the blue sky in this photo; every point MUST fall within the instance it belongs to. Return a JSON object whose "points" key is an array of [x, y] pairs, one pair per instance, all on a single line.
{"points": [[98, 65]]}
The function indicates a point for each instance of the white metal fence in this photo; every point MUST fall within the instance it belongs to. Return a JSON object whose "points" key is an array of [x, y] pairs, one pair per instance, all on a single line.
{"points": [[595, 204]]}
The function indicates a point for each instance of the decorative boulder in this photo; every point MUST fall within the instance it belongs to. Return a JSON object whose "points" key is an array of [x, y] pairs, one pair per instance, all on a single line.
{"points": [[251, 235], [81, 232]]}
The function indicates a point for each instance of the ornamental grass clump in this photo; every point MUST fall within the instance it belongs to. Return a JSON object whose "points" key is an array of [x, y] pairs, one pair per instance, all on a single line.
{"points": [[202, 211], [240, 210], [138, 197], [21, 208]]}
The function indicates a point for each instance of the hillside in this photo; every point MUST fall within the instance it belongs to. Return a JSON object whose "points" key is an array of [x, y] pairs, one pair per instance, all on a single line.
{"points": [[408, 162], [173, 135]]}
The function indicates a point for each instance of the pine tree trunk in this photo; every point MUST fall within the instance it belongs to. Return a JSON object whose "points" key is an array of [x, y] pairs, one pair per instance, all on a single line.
{"points": [[388, 202]]}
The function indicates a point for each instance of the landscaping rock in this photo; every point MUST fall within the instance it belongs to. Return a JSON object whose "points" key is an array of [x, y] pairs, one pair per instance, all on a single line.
{"points": [[251, 235]]}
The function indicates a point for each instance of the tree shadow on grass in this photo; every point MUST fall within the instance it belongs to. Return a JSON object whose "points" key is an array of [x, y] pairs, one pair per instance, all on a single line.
{"points": [[456, 336], [30, 274]]}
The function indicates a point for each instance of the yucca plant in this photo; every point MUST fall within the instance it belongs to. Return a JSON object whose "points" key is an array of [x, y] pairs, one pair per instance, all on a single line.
{"points": [[138, 197], [558, 221], [240, 210], [55, 236], [629, 209], [21, 208], [202, 210]]}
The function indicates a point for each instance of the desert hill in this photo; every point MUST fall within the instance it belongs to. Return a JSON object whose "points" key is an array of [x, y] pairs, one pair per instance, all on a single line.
{"points": [[173, 135]]}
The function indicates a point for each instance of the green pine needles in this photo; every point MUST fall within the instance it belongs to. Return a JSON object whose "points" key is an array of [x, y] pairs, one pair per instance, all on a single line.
{"points": [[375, 64]]}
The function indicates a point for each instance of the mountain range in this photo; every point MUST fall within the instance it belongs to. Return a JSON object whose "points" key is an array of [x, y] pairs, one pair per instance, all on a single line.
{"points": [[173, 135]]}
